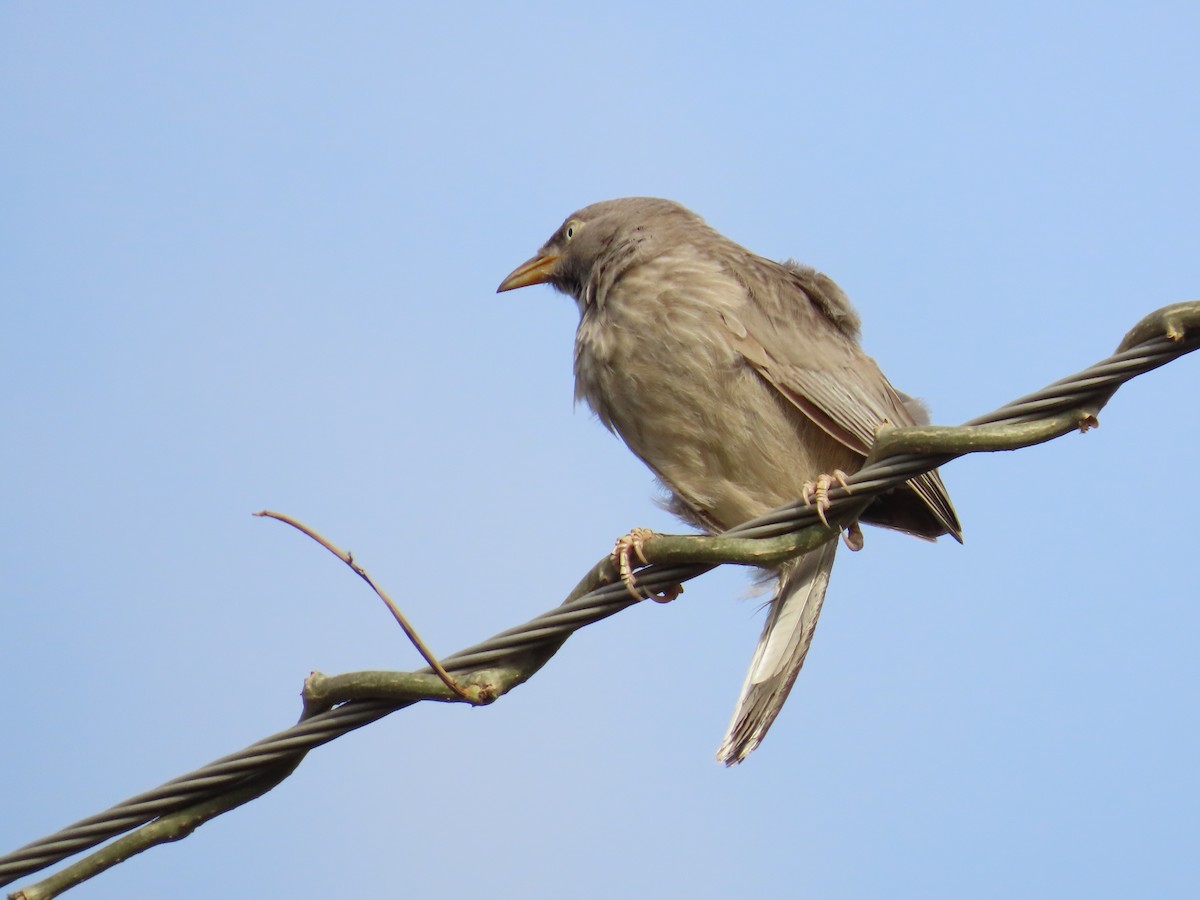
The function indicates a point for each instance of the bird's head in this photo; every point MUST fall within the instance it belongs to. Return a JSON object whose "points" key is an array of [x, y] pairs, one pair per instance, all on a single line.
{"points": [[596, 244]]}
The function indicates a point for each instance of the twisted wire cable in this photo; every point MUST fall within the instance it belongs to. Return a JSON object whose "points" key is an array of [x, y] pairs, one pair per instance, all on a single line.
{"points": [[1160, 338]]}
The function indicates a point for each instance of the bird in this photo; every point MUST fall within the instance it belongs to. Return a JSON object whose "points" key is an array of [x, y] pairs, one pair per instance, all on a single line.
{"points": [[741, 383]]}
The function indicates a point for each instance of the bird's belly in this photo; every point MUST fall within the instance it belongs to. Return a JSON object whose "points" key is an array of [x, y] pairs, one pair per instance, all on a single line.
{"points": [[725, 442]]}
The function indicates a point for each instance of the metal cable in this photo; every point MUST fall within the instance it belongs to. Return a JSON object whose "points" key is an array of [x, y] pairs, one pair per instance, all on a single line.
{"points": [[1094, 384]]}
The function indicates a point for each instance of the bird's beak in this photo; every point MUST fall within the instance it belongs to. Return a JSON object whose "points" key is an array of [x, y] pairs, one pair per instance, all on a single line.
{"points": [[534, 271]]}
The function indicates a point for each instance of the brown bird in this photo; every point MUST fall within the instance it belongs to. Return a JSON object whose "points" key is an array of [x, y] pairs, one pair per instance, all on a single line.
{"points": [[740, 382]]}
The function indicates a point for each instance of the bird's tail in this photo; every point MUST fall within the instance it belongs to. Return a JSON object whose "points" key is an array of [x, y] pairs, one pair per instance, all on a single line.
{"points": [[781, 651]]}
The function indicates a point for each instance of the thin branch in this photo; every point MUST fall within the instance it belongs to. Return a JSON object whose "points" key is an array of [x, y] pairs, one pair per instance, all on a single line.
{"points": [[173, 827], [348, 558]]}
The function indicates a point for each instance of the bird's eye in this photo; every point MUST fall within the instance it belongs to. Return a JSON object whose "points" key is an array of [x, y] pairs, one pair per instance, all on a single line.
{"points": [[570, 229]]}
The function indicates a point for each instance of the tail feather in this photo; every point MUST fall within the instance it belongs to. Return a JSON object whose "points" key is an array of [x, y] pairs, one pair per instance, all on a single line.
{"points": [[781, 650]]}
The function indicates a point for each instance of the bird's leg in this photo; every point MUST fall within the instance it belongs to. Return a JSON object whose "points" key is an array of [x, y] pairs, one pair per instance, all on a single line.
{"points": [[622, 556], [817, 492]]}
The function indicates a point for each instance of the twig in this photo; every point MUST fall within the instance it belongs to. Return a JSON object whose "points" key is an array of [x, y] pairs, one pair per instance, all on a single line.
{"points": [[165, 829], [348, 558]]}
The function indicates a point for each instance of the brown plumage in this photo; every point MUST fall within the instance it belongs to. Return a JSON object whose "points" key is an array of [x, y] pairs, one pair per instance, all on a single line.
{"points": [[737, 380]]}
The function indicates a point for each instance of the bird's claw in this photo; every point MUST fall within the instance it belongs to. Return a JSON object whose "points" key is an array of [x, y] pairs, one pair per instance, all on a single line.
{"points": [[853, 536], [622, 555], [626, 546], [816, 493]]}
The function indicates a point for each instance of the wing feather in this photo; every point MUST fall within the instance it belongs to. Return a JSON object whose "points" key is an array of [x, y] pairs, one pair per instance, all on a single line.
{"points": [[830, 380]]}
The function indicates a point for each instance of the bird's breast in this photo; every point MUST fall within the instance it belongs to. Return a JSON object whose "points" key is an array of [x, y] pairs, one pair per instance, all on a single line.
{"points": [[657, 365]]}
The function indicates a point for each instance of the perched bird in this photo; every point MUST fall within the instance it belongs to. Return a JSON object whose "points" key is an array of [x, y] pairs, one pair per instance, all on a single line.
{"points": [[740, 382]]}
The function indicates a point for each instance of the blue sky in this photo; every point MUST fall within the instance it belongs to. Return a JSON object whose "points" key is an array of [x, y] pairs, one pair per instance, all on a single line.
{"points": [[248, 255]]}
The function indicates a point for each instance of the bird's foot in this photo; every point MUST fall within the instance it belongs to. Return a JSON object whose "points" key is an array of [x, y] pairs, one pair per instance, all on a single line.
{"points": [[816, 493], [622, 555], [853, 537]]}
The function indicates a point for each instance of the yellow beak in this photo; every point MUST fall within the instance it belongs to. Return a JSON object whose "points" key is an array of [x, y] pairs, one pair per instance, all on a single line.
{"points": [[534, 271]]}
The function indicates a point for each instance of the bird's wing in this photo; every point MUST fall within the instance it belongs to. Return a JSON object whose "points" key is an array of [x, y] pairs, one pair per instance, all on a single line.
{"points": [[830, 380]]}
